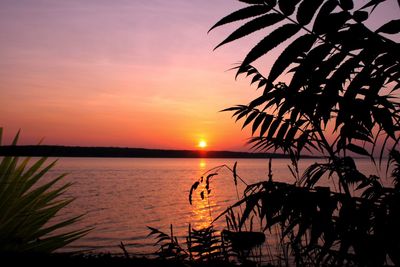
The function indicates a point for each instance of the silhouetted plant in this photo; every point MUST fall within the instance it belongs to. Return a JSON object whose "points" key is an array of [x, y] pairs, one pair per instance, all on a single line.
{"points": [[339, 98], [203, 245], [340, 74], [208, 244], [169, 247], [28, 207], [239, 241]]}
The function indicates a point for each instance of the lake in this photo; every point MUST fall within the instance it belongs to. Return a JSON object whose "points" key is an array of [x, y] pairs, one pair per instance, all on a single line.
{"points": [[121, 196]]}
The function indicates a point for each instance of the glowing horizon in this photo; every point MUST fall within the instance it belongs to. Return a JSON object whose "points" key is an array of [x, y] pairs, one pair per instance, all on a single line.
{"points": [[93, 73], [121, 73]]}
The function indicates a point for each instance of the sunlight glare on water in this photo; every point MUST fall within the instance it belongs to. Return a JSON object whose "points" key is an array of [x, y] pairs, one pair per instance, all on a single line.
{"points": [[120, 197]]}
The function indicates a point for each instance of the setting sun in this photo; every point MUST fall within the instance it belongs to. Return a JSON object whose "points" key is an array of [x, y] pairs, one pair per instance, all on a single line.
{"points": [[202, 144]]}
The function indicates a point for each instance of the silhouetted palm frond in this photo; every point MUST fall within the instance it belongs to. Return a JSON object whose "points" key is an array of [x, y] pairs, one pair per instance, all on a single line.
{"points": [[28, 207]]}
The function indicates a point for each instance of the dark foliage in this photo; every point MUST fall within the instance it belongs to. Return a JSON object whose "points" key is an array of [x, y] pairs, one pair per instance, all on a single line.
{"points": [[343, 74], [203, 245], [330, 224], [208, 246], [169, 247], [339, 99]]}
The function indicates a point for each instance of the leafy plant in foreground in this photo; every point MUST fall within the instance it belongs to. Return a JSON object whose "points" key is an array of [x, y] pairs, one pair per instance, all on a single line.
{"points": [[169, 245], [238, 241], [208, 244], [342, 80], [203, 245], [338, 100], [27, 207]]}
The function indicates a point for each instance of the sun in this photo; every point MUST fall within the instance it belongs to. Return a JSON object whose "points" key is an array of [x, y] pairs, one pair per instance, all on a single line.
{"points": [[202, 144]]}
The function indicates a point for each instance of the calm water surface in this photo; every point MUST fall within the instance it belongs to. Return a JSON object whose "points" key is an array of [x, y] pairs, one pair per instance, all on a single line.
{"points": [[120, 197]]}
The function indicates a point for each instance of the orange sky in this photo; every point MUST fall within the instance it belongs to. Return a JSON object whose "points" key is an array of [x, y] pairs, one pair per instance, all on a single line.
{"points": [[120, 73]]}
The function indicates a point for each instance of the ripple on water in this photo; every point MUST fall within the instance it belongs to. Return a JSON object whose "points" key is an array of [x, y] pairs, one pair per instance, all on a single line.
{"points": [[120, 197]]}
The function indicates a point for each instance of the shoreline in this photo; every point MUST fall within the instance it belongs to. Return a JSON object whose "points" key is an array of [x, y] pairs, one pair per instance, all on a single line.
{"points": [[124, 152]]}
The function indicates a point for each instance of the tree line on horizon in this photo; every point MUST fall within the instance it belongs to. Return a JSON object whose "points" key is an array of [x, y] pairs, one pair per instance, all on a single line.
{"points": [[77, 151]]}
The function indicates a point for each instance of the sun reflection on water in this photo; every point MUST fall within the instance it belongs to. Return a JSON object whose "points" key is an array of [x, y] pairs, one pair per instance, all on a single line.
{"points": [[202, 212], [203, 208], [202, 164]]}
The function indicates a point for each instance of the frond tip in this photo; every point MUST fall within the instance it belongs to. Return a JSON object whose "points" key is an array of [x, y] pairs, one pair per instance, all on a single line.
{"points": [[27, 209]]}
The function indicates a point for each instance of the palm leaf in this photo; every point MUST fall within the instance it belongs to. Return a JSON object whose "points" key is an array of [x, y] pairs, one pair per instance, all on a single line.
{"points": [[27, 210]]}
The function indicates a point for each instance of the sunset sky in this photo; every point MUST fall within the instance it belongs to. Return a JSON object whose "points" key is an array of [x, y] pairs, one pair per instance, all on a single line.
{"points": [[128, 73]]}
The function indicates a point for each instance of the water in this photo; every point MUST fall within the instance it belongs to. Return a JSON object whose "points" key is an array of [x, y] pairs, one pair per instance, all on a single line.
{"points": [[120, 197]]}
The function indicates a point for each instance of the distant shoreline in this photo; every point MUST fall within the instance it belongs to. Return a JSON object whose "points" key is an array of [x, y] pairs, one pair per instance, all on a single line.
{"points": [[121, 152]]}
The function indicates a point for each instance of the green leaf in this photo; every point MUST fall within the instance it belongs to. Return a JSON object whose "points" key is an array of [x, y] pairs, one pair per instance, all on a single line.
{"points": [[299, 46], [307, 10], [252, 26], [241, 14], [271, 41], [392, 27], [28, 207], [34, 178]]}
